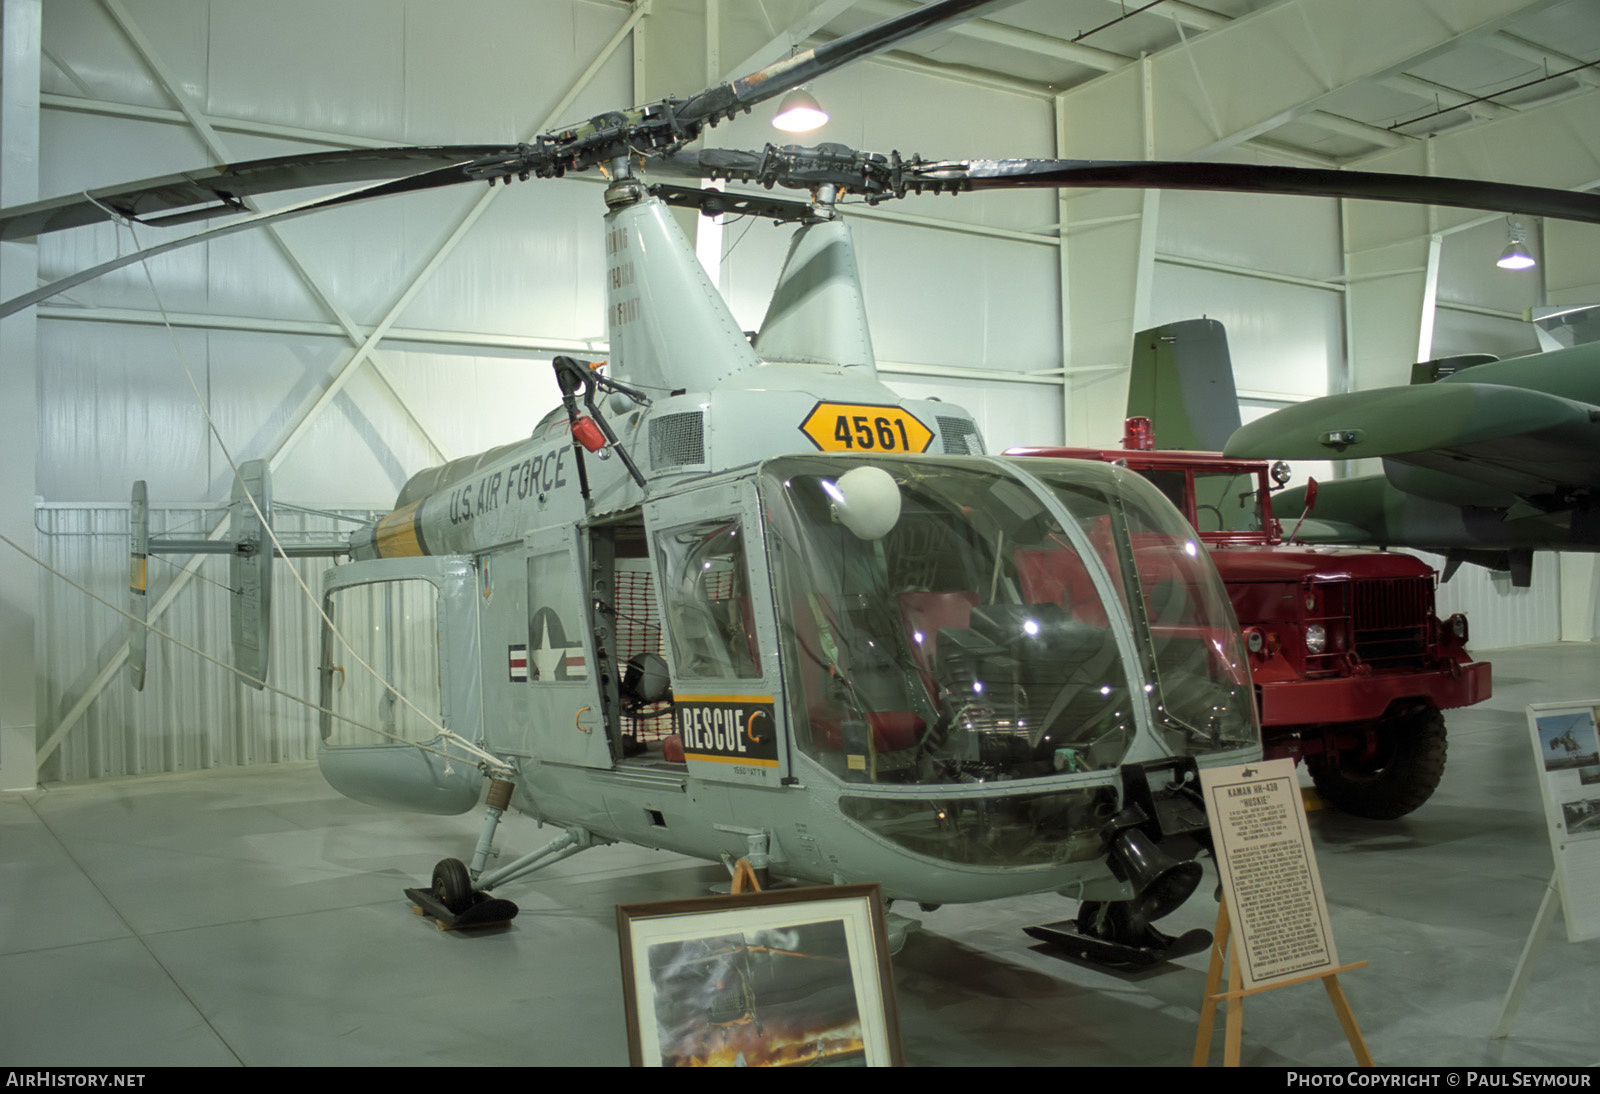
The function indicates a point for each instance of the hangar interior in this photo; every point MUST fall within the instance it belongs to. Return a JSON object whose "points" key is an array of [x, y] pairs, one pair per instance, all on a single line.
{"points": [[217, 874]]}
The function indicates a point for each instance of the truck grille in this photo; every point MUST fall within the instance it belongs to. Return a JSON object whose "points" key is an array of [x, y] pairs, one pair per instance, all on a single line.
{"points": [[1388, 617]]}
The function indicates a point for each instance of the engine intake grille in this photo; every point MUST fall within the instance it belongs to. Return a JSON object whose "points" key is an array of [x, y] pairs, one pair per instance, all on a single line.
{"points": [[961, 437], [677, 440]]}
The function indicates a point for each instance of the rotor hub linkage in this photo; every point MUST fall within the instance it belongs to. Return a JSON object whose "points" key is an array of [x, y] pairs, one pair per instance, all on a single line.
{"points": [[603, 139], [873, 175]]}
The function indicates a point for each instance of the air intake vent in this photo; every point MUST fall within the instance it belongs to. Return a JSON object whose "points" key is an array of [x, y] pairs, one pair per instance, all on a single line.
{"points": [[677, 440], [961, 437]]}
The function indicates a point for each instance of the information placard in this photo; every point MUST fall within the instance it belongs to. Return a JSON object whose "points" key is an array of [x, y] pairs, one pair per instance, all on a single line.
{"points": [[1269, 872], [1566, 746]]}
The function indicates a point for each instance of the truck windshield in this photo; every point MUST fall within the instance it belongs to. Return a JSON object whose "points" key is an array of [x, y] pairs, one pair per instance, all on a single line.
{"points": [[967, 636], [1227, 502]]}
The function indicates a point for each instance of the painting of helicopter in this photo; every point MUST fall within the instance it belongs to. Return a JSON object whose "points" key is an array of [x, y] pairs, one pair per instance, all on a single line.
{"points": [[737, 597]]}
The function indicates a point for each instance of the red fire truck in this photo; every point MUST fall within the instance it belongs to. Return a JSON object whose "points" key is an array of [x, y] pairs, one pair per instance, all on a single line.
{"points": [[1352, 667]]}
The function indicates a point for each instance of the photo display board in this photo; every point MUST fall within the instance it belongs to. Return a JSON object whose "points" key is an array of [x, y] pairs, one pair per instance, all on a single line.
{"points": [[1269, 872], [784, 978], [1566, 745]]}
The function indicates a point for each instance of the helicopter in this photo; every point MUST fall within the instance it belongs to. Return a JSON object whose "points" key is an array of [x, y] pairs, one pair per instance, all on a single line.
{"points": [[735, 597]]}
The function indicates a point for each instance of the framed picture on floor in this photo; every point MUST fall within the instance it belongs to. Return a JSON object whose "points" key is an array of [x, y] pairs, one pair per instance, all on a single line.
{"points": [[767, 979]]}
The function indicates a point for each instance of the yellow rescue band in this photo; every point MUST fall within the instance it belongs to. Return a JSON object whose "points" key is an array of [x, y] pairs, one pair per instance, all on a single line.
{"points": [[399, 535]]}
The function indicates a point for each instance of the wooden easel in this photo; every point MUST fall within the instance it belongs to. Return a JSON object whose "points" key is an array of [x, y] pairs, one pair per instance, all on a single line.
{"points": [[744, 878], [1236, 993]]}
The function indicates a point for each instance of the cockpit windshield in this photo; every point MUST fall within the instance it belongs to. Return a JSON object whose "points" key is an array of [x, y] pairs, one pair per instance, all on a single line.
{"points": [[1194, 657], [946, 625]]}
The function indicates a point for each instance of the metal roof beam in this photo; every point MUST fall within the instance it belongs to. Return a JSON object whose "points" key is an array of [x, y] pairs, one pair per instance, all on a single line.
{"points": [[1230, 85], [1506, 42], [985, 30]]}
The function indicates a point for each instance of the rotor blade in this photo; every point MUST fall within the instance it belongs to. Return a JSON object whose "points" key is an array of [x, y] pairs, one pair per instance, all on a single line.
{"points": [[727, 99], [208, 191], [427, 180], [1258, 179]]}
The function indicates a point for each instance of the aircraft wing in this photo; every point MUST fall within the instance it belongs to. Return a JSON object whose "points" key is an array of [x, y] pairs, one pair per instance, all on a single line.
{"points": [[1498, 443]]}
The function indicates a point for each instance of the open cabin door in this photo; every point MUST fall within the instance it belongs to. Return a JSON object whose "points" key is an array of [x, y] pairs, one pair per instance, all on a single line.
{"points": [[720, 633], [414, 621]]}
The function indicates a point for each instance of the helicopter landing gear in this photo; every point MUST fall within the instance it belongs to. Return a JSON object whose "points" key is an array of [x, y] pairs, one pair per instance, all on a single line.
{"points": [[452, 885], [1120, 933], [453, 901], [1113, 934]]}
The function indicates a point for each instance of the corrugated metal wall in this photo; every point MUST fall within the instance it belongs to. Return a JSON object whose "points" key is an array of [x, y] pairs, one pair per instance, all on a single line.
{"points": [[192, 714], [1499, 614]]}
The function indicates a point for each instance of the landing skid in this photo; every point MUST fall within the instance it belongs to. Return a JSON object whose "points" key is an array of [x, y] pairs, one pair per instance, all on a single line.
{"points": [[483, 911], [1152, 947]]}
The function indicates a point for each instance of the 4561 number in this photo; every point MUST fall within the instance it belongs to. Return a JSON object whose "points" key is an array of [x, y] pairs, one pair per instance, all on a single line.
{"points": [[843, 427]]}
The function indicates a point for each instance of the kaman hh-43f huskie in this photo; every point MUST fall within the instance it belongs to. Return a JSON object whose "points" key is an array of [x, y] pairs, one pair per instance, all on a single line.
{"points": [[737, 598]]}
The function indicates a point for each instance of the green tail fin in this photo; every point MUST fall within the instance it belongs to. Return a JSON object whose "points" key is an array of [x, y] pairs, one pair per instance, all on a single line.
{"points": [[1182, 380]]}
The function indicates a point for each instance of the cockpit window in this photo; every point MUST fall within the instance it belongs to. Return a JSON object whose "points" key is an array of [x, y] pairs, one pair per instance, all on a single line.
{"points": [[1195, 661], [940, 625], [705, 591]]}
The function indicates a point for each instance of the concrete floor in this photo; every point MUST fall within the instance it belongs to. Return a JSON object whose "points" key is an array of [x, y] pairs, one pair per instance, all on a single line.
{"points": [[255, 917]]}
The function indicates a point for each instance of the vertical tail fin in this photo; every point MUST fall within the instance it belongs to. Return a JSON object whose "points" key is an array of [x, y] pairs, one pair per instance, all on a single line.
{"points": [[1182, 380], [817, 314]]}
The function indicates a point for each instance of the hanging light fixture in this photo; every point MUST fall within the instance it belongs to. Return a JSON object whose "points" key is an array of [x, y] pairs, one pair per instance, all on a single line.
{"points": [[799, 112], [1516, 255]]}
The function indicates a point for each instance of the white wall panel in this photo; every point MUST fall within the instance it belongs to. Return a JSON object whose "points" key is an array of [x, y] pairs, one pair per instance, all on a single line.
{"points": [[79, 34], [337, 67], [533, 264], [112, 400], [1009, 414], [1456, 331], [948, 298], [116, 406], [1283, 337], [1498, 614], [499, 82], [1298, 236]]}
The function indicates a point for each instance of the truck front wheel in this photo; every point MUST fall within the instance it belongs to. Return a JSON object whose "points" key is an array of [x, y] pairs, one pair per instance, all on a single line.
{"points": [[1401, 773]]}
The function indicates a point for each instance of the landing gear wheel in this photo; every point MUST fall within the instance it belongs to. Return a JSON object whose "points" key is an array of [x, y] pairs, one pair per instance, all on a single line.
{"points": [[1402, 773], [452, 885]]}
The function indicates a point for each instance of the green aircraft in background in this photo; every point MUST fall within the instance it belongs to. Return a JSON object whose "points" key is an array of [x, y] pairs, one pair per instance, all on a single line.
{"points": [[1484, 460]]}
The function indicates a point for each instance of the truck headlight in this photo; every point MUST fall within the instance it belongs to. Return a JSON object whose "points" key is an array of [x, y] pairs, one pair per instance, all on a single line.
{"points": [[1316, 638]]}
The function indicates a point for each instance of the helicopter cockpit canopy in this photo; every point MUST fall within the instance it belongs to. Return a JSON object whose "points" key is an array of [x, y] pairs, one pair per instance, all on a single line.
{"points": [[963, 620]]}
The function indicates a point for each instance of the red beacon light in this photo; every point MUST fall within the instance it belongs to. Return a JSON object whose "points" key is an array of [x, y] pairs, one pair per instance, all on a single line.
{"points": [[1138, 436], [588, 434]]}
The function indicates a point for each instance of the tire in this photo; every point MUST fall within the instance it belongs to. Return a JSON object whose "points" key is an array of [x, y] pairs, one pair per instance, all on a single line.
{"points": [[1401, 775], [452, 885]]}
